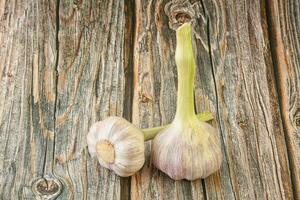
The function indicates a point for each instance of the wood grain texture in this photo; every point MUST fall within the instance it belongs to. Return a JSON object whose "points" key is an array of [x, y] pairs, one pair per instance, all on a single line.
{"points": [[284, 21], [27, 85], [154, 100], [245, 98], [235, 80], [90, 87], [66, 64], [62, 68]]}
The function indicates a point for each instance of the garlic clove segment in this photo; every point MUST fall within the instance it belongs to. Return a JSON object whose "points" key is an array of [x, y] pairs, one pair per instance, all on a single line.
{"points": [[187, 152], [118, 145], [188, 148]]}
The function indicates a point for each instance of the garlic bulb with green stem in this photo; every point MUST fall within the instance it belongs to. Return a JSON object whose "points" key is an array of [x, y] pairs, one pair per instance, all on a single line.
{"points": [[188, 148], [119, 145]]}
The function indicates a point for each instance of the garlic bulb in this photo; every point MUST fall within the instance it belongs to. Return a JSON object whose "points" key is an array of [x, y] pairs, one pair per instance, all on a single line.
{"points": [[188, 148], [118, 145], [187, 152]]}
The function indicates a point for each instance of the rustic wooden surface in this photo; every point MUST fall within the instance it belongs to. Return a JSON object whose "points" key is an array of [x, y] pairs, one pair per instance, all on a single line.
{"points": [[66, 64]]}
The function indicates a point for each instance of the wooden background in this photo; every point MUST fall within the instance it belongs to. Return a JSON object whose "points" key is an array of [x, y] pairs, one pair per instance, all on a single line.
{"points": [[65, 64]]}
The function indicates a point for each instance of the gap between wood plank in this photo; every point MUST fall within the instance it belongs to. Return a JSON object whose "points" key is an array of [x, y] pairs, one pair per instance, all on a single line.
{"points": [[129, 26]]}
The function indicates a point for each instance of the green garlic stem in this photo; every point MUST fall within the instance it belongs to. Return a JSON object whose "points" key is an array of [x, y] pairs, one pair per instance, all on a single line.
{"points": [[184, 57], [150, 133], [185, 61]]}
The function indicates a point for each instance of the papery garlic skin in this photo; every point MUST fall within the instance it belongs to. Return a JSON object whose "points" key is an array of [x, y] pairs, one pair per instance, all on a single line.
{"points": [[118, 145], [188, 149], [187, 152]]}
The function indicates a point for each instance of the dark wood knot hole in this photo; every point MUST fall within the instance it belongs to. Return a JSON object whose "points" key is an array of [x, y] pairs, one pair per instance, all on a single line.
{"points": [[47, 187], [182, 18]]}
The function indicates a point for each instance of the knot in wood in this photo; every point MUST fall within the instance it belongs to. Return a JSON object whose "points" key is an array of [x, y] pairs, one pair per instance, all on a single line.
{"points": [[297, 122], [9, 74], [182, 18], [179, 12], [47, 188], [297, 119], [105, 151], [144, 98]]}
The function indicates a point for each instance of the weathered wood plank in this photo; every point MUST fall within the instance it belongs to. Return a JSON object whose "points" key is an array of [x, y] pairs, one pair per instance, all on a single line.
{"points": [[236, 81], [245, 98], [27, 85], [154, 101], [91, 86], [284, 21]]}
